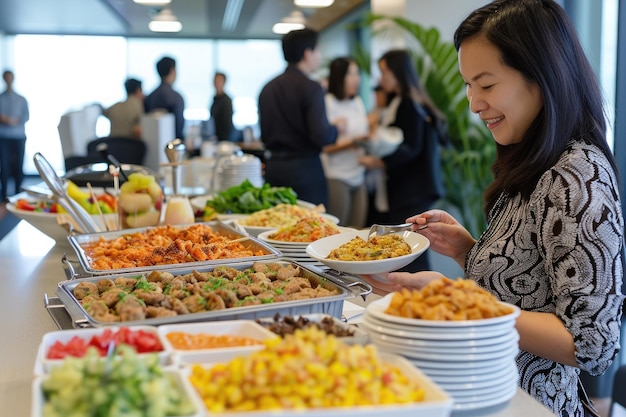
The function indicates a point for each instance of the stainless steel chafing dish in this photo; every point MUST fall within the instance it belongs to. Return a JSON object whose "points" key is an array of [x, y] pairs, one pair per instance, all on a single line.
{"points": [[347, 286], [253, 243]]}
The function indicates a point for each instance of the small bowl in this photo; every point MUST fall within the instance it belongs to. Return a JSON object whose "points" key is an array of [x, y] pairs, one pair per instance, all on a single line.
{"points": [[320, 250], [180, 377], [43, 365], [54, 224], [241, 328], [359, 336]]}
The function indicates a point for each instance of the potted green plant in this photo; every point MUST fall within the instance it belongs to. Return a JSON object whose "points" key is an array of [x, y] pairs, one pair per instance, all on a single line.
{"points": [[467, 160]]}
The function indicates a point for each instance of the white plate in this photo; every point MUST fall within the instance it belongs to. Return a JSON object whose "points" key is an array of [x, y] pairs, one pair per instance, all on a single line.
{"points": [[427, 334], [265, 236], [509, 351], [455, 382], [378, 307], [320, 250], [416, 339], [419, 332], [483, 388], [427, 346], [462, 399], [484, 403], [474, 331], [469, 368]]}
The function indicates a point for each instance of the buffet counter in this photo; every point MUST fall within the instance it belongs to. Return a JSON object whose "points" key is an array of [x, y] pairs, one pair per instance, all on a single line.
{"points": [[31, 266]]}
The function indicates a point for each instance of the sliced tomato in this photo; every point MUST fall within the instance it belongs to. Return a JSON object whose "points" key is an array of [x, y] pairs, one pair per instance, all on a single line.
{"points": [[76, 347], [102, 341], [23, 204], [146, 342]]}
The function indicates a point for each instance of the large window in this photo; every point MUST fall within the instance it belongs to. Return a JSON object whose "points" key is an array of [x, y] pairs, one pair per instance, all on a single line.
{"points": [[58, 74]]}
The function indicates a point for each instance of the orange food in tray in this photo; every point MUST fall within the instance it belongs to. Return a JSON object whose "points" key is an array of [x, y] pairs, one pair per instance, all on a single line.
{"points": [[164, 246], [188, 341]]}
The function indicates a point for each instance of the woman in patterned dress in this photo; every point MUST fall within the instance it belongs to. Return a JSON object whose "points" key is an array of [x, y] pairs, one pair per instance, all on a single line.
{"points": [[553, 245]]}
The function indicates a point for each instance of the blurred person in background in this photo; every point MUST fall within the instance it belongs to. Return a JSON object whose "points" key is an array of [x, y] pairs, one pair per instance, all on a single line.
{"points": [[164, 97], [413, 178], [347, 197], [125, 116], [13, 116], [222, 109], [294, 126]]}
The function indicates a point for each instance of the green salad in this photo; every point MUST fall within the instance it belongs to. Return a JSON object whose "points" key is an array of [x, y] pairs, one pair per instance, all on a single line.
{"points": [[128, 385], [245, 198]]}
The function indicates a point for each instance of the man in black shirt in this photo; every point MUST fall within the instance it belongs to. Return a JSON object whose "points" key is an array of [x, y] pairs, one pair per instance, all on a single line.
{"points": [[222, 109], [294, 127], [165, 97]]}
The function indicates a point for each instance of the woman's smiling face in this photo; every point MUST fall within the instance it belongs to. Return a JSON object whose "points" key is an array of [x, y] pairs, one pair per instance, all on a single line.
{"points": [[507, 102]]}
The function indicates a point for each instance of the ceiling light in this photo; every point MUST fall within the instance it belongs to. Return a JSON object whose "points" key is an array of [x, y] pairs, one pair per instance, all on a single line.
{"points": [[231, 14], [165, 21], [313, 3], [153, 2], [294, 21]]}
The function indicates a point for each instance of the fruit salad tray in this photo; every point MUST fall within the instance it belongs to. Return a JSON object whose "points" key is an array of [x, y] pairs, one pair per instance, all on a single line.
{"points": [[158, 247]]}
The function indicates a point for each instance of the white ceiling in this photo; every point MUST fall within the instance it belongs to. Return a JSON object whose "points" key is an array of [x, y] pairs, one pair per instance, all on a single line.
{"points": [[200, 18]]}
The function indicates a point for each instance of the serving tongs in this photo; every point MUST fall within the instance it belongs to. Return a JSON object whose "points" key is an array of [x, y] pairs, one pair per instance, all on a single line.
{"points": [[384, 229], [84, 221]]}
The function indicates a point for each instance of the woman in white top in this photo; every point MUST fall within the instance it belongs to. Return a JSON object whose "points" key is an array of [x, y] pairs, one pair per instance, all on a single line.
{"points": [[347, 193]]}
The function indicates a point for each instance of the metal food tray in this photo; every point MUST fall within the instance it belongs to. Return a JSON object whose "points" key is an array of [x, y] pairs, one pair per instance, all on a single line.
{"points": [[253, 243], [349, 287]]}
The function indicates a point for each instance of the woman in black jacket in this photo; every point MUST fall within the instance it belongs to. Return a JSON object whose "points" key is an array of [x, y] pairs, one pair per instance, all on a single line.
{"points": [[413, 171]]}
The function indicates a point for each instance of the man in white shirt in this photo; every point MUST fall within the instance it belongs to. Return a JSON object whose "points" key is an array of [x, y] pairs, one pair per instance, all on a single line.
{"points": [[125, 116]]}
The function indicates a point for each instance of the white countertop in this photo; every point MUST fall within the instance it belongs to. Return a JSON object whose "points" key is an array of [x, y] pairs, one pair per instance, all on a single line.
{"points": [[30, 265]]}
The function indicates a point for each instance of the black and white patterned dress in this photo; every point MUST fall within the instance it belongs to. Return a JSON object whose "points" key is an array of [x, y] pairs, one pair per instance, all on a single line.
{"points": [[560, 252]]}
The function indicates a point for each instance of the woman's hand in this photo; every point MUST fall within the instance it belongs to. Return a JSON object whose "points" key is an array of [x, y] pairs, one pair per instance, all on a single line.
{"points": [[446, 235], [395, 281], [371, 162]]}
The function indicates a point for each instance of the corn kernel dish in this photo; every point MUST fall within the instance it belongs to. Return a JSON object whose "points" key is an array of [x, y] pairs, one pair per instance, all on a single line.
{"points": [[310, 370]]}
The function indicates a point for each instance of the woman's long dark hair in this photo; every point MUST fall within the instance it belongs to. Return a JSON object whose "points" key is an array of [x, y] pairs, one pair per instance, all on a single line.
{"points": [[337, 75], [401, 66], [536, 38]]}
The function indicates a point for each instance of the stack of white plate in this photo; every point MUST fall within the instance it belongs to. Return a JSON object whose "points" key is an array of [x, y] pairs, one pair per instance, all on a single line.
{"points": [[472, 360], [234, 169], [295, 251]]}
